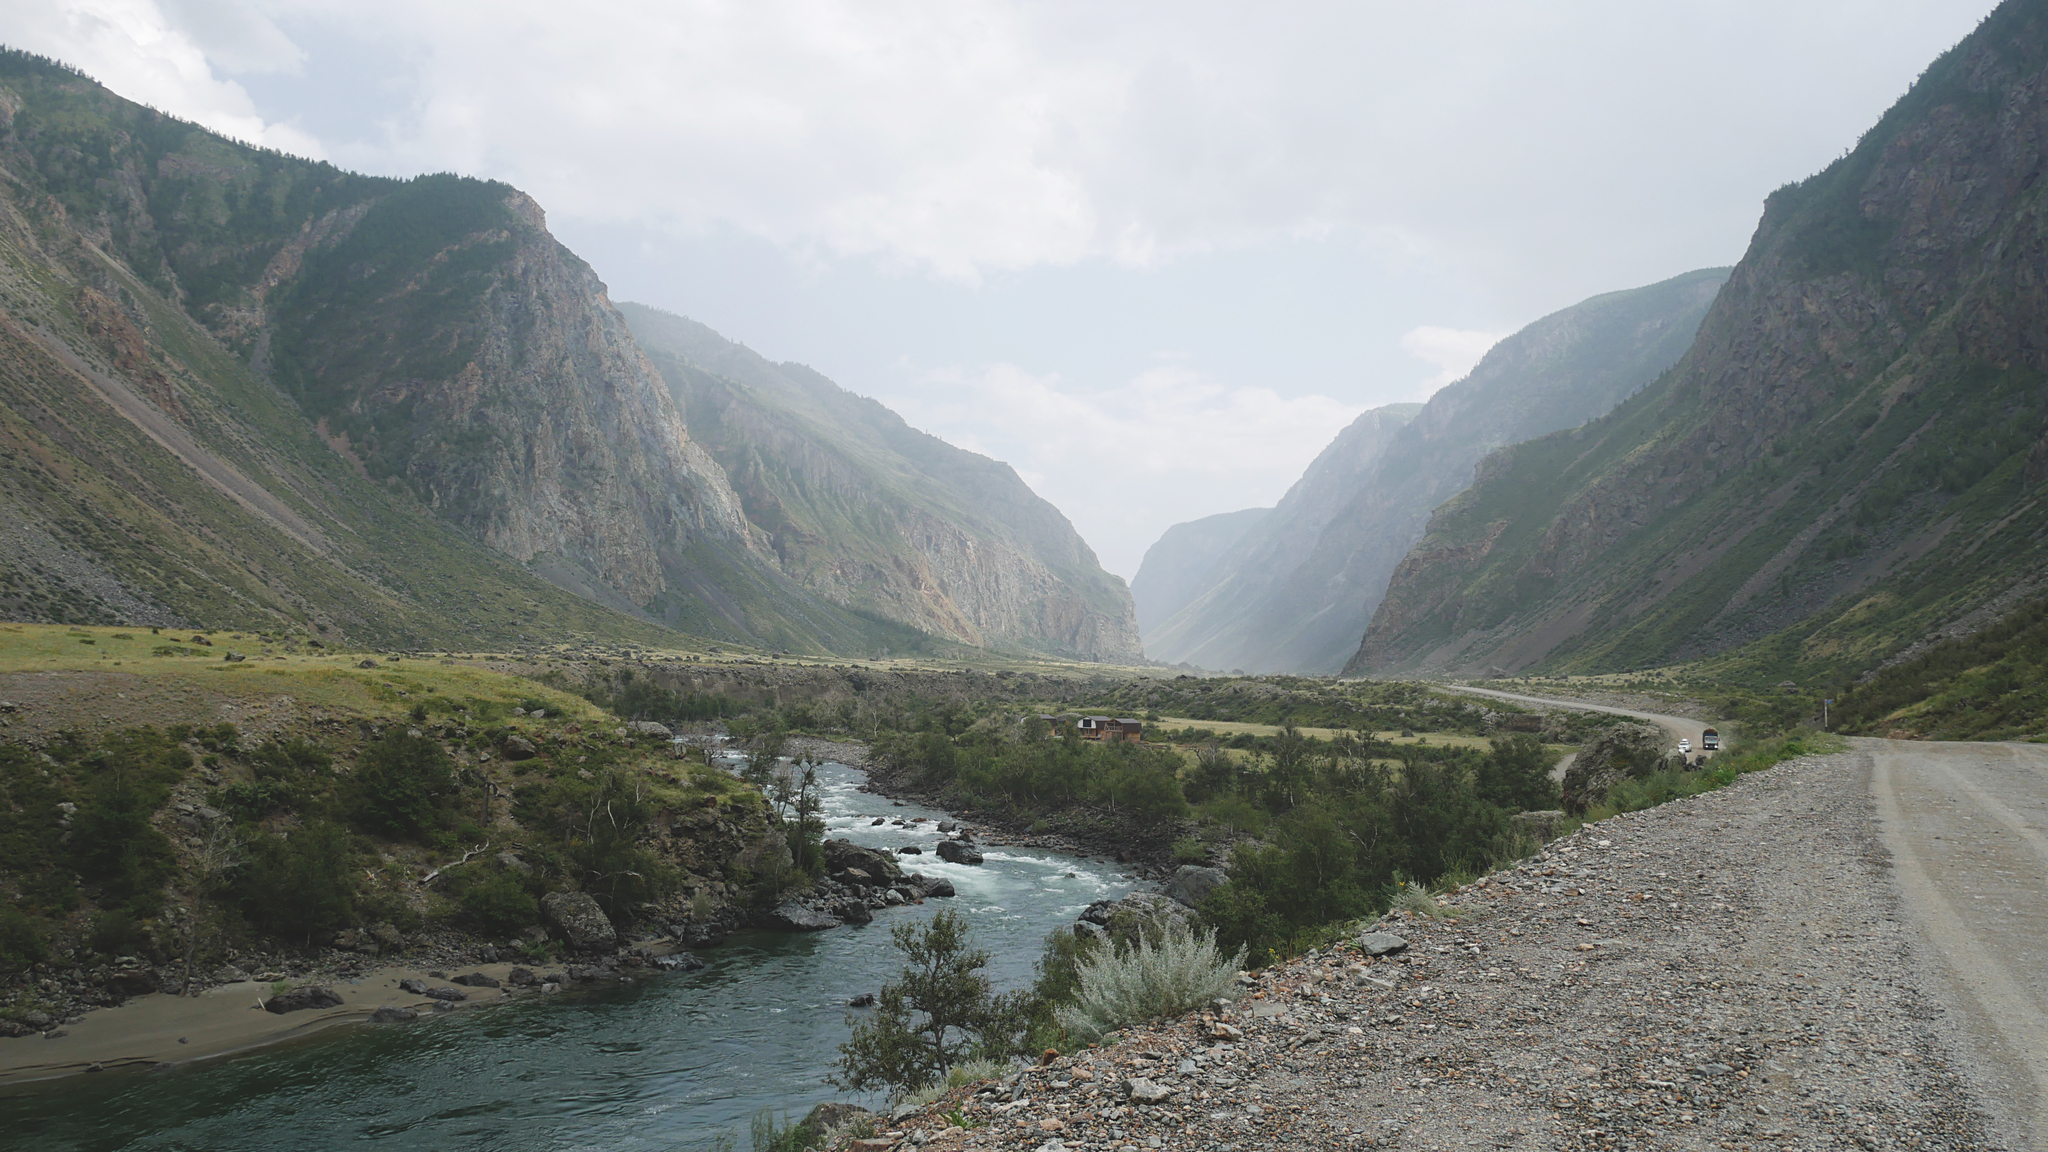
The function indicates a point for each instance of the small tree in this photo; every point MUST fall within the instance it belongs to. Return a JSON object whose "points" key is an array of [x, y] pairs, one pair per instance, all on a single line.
{"points": [[940, 1012]]}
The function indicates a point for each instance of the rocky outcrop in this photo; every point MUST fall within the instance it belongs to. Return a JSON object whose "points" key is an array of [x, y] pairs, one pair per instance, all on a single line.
{"points": [[580, 921], [1616, 754], [1191, 884], [1296, 593], [1838, 464]]}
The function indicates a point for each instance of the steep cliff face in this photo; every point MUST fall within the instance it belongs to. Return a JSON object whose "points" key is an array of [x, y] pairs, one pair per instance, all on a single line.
{"points": [[150, 476], [1848, 456], [1177, 566], [873, 515], [1297, 592]]}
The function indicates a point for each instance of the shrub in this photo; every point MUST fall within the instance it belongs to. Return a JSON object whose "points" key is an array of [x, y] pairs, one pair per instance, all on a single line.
{"points": [[20, 943], [1131, 985], [300, 884], [939, 1013], [402, 784], [500, 902]]}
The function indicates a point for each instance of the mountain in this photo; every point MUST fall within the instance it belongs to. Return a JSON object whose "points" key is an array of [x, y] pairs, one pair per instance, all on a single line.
{"points": [[865, 512], [1296, 593], [1850, 455], [1176, 567]]}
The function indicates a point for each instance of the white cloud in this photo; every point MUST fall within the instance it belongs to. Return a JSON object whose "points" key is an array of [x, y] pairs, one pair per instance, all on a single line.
{"points": [[134, 46], [1169, 444], [1451, 351]]}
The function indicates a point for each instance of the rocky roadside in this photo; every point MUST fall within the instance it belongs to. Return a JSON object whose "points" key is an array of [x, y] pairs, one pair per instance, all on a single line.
{"points": [[1729, 971]]}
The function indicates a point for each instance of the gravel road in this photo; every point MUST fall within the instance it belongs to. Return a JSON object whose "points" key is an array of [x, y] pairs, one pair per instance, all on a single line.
{"points": [[1736, 970]]}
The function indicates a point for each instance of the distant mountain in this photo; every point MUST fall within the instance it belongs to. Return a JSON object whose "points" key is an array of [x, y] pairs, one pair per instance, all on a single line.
{"points": [[1849, 457], [1296, 592], [868, 513], [1176, 567]]}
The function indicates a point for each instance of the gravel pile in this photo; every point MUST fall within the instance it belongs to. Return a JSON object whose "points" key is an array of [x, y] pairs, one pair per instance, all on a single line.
{"points": [[1728, 971]]}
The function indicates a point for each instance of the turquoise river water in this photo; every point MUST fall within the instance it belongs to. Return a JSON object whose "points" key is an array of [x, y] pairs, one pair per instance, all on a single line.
{"points": [[670, 1062]]}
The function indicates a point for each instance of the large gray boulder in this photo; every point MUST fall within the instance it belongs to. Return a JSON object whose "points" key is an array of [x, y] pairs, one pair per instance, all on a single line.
{"points": [[299, 999], [1619, 753], [650, 728], [955, 852], [844, 856], [790, 916], [582, 923], [932, 885], [1192, 884]]}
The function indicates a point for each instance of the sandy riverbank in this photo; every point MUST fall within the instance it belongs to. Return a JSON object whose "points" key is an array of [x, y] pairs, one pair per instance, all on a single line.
{"points": [[164, 1029]]}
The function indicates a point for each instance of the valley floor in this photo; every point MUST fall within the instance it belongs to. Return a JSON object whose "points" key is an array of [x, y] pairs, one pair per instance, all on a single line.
{"points": [[1736, 970]]}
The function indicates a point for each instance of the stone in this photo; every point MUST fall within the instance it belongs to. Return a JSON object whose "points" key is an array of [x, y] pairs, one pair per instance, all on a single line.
{"points": [[519, 748], [416, 987], [521, 978], [476, 980], [132, 982], [234, 658], [932, 886], [650, 728], [1191, 884], [956, 852], [701, 935], [387, 936], [1615, 755], [791, 916], [843, 857], [678, 962], [864, 1000], [511, 862], [910, 850], [367, 664], [1098, 912], [1542, 825], [444, 994], [299, 999], [390, 1014], [1143, 1091], [1381, 943], [948, 826], [582, 923], [893, 898], [853, 912]]}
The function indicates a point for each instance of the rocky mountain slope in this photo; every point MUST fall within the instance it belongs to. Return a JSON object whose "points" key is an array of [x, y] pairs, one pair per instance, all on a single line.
{"points": [[1176, 567], [868, 513], [1295, 592], [1848, 457]]}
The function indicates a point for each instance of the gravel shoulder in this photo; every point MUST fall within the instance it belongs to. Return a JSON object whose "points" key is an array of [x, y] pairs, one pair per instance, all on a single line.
{"points": [[1734, 970]]}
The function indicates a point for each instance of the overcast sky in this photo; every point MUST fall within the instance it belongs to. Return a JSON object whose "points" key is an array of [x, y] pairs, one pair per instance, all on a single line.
{"points": [[1152, 254]]}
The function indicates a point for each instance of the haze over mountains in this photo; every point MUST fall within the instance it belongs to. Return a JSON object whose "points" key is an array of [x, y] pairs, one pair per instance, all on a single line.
{"points": [[250, 390], [1847, 460], [1290, 592]]}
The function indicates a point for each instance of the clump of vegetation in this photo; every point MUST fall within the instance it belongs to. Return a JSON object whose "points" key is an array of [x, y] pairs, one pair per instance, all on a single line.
{"points": [[941, 1012], [403, 785], [1179, 971], [1992, 685]]}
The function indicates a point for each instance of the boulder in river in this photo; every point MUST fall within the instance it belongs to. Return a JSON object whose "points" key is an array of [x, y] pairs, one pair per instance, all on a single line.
{"points": [[791, 916], [582, 923], [1192, 884], [932, 885], [853, 911], [956, 852], [297, 999], [864, 1000], [844, 857], [677, 962], [910, 850]]}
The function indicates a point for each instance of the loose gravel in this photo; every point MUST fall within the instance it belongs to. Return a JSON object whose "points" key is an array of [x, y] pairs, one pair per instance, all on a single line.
{"points": [[1729, 971]]}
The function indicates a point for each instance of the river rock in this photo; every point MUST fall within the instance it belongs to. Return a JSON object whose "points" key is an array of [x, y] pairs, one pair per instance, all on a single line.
{"points": [[521, 978], [1191, 884], [1381, 943], [476, 980], [910, 850], [132, 982], [853, 911], [956, 852], [650, 728], [416, 987], [444, 994], [582, 923], [843, 857], [864, 1000], [791, 916], [297, 999], [677, 962], [706, 935], [932, 886], [391, 1014]]}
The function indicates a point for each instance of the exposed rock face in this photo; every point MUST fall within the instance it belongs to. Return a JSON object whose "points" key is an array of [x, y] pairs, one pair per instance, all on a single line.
{"points": [[1191, 884], [872, 514], [1177, 567], [582, 923], [1842, 462], [791, 916], [1615, 755], [1297, 591]]}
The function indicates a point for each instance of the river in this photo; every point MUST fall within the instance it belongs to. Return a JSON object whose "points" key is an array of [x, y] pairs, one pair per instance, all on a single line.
{"points": [[671, 1062]]}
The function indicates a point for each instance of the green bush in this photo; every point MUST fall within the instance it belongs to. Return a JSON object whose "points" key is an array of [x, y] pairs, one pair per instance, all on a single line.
{"points": [[302, 883], [403, 786], [20, 943], [940, 1012], [500, 902]]}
